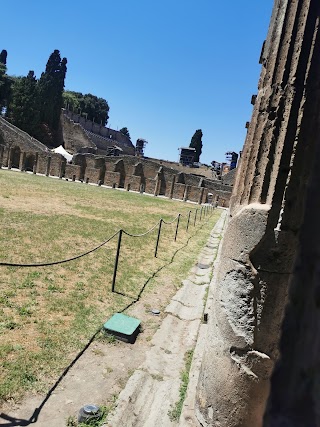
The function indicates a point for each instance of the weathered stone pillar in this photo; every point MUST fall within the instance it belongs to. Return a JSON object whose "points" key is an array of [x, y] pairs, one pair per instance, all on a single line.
{"points": [[172, 186], [262, 239], [200, 195], [62, 168], [186, 193], [35, 165], [22, 161], [48, 166], [10, 158], [157, 186]]}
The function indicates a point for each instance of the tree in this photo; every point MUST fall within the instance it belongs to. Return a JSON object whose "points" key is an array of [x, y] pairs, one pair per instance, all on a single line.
{"points": [[51, 86], [5, 81], [125, 131], [96, 109], [196, 142], [88, 105], [3, 57], [24, 106], [71, 100]]}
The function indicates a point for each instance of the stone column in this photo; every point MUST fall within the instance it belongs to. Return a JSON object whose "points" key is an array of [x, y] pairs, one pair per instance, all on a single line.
{"points": [[10, 158], [62, 168], [186, 193], [172, 186], [22, 161], [48, 166], [35, 165], [157, 186], [201, 190], [262, 239]]}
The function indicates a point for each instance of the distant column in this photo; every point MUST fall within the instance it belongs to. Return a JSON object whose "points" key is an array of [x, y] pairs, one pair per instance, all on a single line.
{"points": [[35, 164], [22, 161], [48, 166], [200, 195], [10, 158], [186, 193], [172, 187]]}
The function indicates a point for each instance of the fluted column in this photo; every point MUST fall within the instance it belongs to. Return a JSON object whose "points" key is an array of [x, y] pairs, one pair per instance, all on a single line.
{"points": [[267, 211]]}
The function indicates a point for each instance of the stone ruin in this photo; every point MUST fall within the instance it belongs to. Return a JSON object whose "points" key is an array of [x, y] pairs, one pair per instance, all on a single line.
{"points": [[261, 362], [19, 150]]}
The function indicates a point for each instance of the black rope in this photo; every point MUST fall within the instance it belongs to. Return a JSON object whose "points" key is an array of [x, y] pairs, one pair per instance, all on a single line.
{"points": [[171, 222], [44, 264], [143, 234]]}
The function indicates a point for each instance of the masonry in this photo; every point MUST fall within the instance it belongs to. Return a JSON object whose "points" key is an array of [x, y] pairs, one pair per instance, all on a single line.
{"points": [[19, 150], [272, 241]]}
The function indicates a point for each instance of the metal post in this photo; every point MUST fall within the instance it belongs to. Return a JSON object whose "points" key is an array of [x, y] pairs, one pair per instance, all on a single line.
{"points": [[158, 238], [178, 220], [188, 220], [200, 213], [116, 261], [195, 218]]}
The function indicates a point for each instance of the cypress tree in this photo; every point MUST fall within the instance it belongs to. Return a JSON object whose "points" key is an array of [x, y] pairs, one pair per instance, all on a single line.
{"points": [[5, 81], [51, 84], [196, 142]]}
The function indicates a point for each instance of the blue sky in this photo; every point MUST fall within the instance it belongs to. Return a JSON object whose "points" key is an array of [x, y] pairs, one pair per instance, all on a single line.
{"points": [[165, 67]]}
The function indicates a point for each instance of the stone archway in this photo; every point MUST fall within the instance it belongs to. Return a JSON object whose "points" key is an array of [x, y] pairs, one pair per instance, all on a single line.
{"points": [[15, 157], [29, 163], [119, 167]]}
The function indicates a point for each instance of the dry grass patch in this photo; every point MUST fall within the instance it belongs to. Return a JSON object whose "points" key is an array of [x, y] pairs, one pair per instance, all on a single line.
{"points": [[49, 313]]}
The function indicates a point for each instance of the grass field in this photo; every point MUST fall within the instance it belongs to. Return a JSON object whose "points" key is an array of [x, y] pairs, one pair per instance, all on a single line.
{"points": [[49, 313]]}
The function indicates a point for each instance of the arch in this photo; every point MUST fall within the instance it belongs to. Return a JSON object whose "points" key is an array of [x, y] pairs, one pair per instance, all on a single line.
{"points": [[15, 157], [139, 171], [119, 167], [29, 162]]}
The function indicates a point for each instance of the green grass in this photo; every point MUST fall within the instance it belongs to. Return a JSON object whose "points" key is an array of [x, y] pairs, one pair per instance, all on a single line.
{"points": [[47, 314], [175, 412]]}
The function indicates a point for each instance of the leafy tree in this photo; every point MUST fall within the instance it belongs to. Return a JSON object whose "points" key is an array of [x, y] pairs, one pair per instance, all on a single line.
{"points": [[51, 86], [71, 100], [125, 131], [96, 109], [24, 106], [196, 142], [93, 108]]}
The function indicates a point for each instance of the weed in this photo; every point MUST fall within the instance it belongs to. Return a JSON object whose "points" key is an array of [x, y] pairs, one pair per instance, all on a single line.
{"points": [[175, 412]]}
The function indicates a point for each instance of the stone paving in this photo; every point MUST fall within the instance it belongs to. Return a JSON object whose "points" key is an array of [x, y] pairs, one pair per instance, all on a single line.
{"points": [[153, 390]]}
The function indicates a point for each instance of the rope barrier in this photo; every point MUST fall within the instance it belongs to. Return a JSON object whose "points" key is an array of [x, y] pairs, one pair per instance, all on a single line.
{"points": [[143, 234], [171, 222], [44, 264]]}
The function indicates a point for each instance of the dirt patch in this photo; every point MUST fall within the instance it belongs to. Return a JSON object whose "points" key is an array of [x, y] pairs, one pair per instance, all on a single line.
{"points": [[100, 373]]}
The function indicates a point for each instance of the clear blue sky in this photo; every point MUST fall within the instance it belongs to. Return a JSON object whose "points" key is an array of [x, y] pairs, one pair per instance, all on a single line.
{"points": [[165, 67]]}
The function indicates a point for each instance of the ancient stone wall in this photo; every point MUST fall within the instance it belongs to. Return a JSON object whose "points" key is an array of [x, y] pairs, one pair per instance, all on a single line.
{"points": [[262, 239], [113, 136], [129, 172], [13, 136], [74, 136]]}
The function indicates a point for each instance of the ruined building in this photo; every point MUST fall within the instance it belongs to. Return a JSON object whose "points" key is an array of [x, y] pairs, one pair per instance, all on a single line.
{"points": [[271, 243], [19, 150]]}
